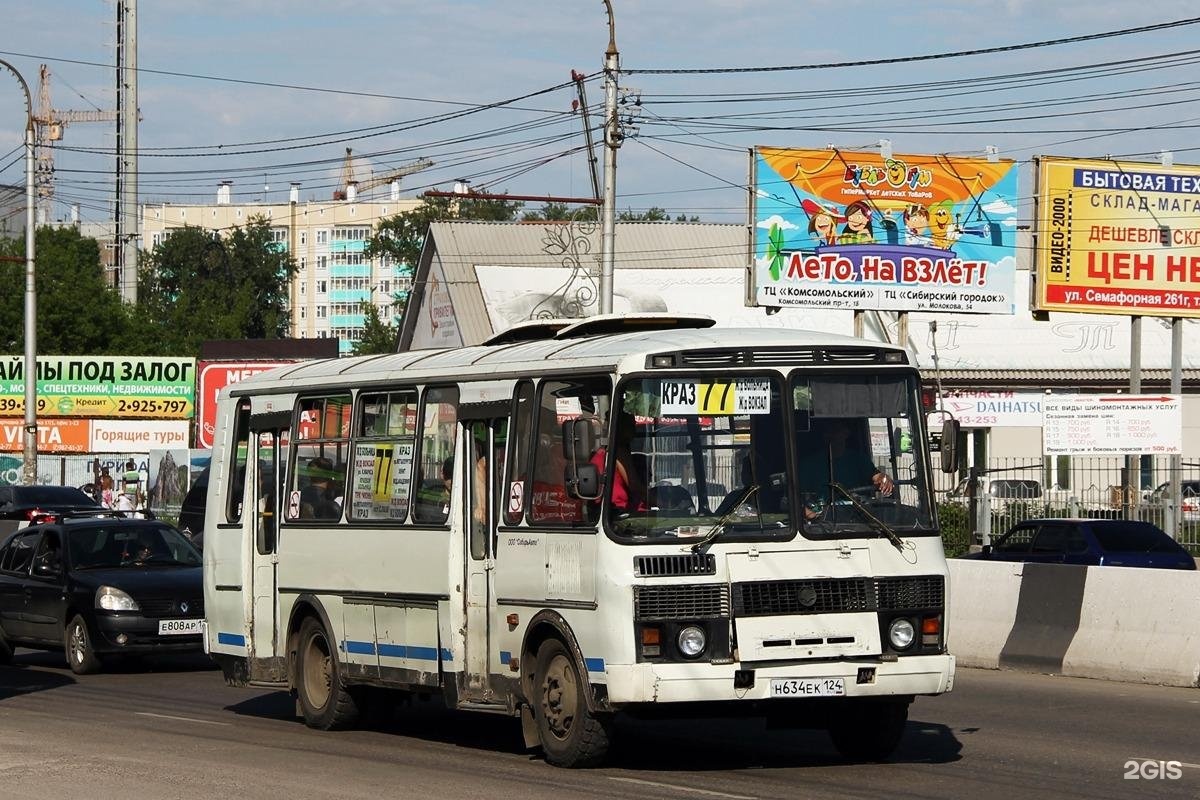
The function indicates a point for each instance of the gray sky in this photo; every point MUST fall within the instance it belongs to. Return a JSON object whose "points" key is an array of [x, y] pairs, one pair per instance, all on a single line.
{"points": [[426, 61]]}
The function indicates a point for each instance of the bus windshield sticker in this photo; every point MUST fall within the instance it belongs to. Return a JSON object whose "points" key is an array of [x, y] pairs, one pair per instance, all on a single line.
{"points": [[567, 408], [714, 398], [365, 456], [401, 476]]}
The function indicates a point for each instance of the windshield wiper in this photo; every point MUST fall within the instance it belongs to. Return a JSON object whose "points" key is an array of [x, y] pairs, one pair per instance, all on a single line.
{"points": [[719, 526], [873, 520]]}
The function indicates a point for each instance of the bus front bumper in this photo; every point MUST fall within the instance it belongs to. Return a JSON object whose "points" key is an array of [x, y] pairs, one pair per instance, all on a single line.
{"points": [[701, 682]]}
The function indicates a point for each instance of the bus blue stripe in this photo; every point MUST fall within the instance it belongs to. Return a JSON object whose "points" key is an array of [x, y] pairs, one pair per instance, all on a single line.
{"points": [[505, 657], [360, 648], [235, 639], [393, 651], [594, 664]]}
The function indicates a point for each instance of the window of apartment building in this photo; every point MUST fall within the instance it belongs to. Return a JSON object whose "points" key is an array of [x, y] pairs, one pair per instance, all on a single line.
{"points": [[303, 263], [156, 239], [279, 235], [303, 312], [322, 237], [321, 312], [385, 286], [303, 238], [352, 233], [322, 287], [303, 288], [322, 262]]}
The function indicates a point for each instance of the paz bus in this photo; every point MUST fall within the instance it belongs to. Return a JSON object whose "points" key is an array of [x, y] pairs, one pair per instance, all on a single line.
{"points": [[579, 519]]}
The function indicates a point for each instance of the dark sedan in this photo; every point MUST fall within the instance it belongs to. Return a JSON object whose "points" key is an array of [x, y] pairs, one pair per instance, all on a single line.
{"points": [[1094, 542], [100, 586]]}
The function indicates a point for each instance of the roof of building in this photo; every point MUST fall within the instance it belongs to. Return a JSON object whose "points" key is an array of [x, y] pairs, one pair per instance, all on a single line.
{"points": [[477, 278]]}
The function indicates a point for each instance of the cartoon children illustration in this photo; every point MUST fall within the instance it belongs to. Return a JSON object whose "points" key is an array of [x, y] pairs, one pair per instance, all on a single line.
{"points": [[916, 225], [858, 228], [942, 225], [822, 222]]}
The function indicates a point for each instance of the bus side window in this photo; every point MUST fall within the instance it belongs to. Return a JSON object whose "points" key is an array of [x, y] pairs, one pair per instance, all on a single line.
{"points": [[435, 471], [515, 493], [237, 476], [320, 454]]}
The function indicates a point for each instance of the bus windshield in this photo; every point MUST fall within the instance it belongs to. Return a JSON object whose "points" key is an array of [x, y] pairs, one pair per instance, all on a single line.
{"points": [[700, 458], [696, 456], [859, 466]]}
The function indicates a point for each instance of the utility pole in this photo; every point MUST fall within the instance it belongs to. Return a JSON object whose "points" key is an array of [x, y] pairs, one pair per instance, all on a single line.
{"points": [[127, 143], [612, 140], [29, 454]]}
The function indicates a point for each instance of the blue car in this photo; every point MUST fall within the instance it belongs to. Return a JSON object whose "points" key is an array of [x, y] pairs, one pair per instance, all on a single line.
{"points": [[1090, 542]]}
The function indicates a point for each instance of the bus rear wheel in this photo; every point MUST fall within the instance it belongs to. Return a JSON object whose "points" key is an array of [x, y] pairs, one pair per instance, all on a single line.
{"points": [[570, 734], [870, 731], [324, 701]]}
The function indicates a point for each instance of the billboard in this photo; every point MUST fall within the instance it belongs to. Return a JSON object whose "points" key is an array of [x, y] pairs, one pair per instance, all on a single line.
{"points": [[1116, 425], [63, 435], [1118, 237], [101, 386], [213, 376], [858, 231]]}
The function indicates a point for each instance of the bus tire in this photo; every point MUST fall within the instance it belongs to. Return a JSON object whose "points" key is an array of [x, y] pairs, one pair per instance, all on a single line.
{"points": [[81, 656], [571, 736], [325, 702], [6, 651], [870, 731]]}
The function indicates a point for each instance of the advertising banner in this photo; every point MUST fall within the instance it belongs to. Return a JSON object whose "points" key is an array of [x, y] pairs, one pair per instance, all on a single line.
{"points": [[857, 231], [56, 435], [214, 376], [1112, 425], [1118, 237], [981, 409], [101, 386]]}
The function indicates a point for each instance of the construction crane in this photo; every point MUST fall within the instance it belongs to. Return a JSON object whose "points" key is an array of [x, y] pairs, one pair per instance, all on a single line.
{"points": [[394, 176], [50, 124]]}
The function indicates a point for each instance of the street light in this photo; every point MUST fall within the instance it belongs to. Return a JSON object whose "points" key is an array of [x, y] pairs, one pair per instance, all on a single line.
{"points": [[29, 471]]}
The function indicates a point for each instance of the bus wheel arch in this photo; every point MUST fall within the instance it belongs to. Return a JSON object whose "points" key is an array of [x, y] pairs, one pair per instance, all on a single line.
{"points": [[571, 728]]}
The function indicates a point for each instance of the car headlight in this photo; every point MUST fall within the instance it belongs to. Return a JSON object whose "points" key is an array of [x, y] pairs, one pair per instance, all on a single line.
{"points": [[901, 633], [110, 598], [692, 641]]}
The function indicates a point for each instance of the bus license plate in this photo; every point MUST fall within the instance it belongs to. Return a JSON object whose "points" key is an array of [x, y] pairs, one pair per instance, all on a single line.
{"points": [[179, 627], [808, 687]]}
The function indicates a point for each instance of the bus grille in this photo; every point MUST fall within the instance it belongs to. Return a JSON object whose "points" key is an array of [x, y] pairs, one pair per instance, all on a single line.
{"points": [[704, 601], [836, 595], [675, 565], [897, 594]]}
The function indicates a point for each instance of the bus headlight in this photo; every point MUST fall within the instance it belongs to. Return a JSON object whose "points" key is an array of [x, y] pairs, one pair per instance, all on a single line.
{"points": [[692, 641], [901, 633]]}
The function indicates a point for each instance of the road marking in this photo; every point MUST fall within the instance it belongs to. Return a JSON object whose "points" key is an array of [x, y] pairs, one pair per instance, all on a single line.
{"points": [[673, 787], [181, 719]]}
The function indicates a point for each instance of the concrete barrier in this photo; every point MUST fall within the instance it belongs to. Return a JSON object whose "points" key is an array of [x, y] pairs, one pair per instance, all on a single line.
{"points": [[1114, 623]]}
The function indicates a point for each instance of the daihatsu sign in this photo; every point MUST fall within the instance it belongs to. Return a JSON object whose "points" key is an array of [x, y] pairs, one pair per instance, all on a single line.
{"points": [[214, 376]]}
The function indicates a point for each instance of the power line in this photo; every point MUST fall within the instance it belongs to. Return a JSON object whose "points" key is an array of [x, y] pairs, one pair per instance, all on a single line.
{"points": [[1091, 37]]}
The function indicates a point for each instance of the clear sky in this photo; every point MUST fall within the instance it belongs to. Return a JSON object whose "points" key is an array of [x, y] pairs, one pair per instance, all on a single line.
{"points": [[410, 72]]}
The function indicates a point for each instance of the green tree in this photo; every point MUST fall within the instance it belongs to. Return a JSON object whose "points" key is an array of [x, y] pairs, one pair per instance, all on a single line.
{"points": [[378, 337], [195, 287], [77, 312], [561, 212]]}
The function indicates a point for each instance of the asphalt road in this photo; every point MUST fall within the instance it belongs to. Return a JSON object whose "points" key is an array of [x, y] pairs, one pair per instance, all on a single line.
{"points": [[172, 729]]}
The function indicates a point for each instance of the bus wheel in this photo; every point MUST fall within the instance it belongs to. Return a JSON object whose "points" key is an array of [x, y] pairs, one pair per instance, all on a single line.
{"points": [[571, 736], [870, 731], [6, 652], [324, 701], [80, 656]]}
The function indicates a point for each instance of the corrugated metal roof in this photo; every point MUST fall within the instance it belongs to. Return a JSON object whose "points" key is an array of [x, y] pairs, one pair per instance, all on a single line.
{"points": [[1057, 377]]}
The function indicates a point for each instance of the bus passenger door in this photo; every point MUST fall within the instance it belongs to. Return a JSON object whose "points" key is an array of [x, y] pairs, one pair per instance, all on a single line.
{"points": [[485, 441], [264, 466]]}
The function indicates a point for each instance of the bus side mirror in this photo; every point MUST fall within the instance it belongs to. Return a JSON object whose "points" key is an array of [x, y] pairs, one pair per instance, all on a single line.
{"points": [[949, 450], [579, 440], [583, 481]]}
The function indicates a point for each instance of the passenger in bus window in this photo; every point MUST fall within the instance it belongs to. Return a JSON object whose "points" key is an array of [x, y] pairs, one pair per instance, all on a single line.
{"points": [[628, 492], [317, 500], [852, 467]]}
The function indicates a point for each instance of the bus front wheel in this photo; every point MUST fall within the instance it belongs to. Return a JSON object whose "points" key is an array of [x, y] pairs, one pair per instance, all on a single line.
{"points": [[324, 701], [570, 734], [870, 731]]}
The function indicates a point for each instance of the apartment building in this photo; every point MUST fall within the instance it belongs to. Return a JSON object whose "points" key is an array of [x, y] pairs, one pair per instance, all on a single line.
{"points": [[327, 240]]}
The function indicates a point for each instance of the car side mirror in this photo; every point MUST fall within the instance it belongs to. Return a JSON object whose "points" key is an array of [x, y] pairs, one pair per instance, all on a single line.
{"points": [[949, 451], [47, 569], [987, 549]]}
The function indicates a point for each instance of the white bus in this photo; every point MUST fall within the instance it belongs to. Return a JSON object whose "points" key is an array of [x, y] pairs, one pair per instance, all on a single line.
{"points": [[642, 515]]}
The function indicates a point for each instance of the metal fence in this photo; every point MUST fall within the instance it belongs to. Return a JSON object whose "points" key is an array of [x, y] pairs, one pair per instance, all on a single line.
{"points": [[1009, 490]]}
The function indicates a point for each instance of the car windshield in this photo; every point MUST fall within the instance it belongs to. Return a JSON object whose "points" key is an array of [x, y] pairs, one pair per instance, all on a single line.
{"points": [[116, 545], [1133, 537]]}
